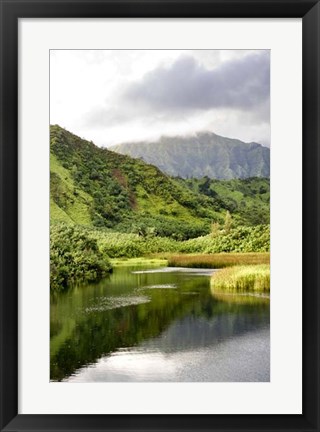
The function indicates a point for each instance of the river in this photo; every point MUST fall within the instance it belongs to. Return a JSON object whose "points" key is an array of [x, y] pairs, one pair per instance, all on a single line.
{"points": [[147, 324]]}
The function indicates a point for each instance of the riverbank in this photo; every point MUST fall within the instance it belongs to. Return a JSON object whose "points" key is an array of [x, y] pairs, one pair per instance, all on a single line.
{"points": [[216, 261], [253, 275], [141, 261], [82, 254]]}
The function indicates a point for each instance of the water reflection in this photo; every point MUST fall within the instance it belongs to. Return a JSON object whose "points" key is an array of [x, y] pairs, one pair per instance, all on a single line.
{"points": [[165, 323]]}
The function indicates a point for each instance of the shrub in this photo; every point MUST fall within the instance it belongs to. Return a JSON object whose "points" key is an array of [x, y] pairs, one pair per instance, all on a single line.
{"points": [[240, 239], [74, 257]]}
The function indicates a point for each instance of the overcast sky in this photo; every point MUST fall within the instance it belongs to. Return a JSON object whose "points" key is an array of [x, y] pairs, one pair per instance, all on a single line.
{"points": [[114, 96]]}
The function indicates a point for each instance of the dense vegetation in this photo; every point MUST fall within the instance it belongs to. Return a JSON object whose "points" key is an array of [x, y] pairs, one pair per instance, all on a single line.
{"points": [[120, 245], [242, 239], [105, 204], [74, 257], [247, 198], [93, 186], [203, 154]]}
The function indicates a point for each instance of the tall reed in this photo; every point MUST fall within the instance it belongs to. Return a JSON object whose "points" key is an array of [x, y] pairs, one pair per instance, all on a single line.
{"points": [[242, 278], [218, 260]]}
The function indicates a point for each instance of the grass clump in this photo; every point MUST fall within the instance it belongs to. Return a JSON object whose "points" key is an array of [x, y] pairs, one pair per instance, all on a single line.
{"points": [[242, 278], [218, 260]]}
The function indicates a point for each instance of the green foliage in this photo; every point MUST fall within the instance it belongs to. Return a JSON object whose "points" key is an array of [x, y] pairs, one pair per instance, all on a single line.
{"points": [[151, 226], [215, 229], [124, 245], [239, 239], [227, 222], [248, 200], [74, 257]]}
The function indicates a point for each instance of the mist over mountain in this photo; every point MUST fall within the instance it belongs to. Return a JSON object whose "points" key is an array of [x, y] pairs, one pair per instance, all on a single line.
{"points": [[202, 154]]}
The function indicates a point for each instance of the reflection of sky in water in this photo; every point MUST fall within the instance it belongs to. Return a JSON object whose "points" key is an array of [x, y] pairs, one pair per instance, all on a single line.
{"points": [[243, 359]]}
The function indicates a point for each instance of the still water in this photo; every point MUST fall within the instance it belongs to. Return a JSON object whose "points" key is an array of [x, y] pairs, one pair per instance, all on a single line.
{"points": [[158, 324]]}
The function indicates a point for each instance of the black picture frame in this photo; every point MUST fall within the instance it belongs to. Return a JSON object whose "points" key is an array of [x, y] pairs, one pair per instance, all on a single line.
{"points": [[11, 11]]}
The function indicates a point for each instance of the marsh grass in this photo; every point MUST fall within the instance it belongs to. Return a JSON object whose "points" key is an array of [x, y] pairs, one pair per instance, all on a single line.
{"points": [[219, 260], [254, 278]]}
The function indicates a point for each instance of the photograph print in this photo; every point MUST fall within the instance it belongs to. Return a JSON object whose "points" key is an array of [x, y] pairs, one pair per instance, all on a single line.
{"points": [[159, 216]]}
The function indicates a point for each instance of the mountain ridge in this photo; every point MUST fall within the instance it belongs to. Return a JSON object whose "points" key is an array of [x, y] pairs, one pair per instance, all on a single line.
{"points": [[200, 155]]}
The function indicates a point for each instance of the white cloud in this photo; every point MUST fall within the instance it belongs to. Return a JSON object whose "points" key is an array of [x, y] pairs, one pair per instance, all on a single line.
{"points": [[87, 87]]}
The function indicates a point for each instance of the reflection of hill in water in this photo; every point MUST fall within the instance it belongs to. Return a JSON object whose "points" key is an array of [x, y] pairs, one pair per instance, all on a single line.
{"points": [[195, 332]]}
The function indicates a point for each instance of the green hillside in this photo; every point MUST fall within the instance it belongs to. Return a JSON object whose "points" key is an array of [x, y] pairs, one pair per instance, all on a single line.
{"points": [[99, 188], [202, 154], [248, 198]]}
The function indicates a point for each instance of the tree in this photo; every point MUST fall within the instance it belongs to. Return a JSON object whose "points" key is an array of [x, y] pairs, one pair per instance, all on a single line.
{"points": [[215, 229], [227, 222]]}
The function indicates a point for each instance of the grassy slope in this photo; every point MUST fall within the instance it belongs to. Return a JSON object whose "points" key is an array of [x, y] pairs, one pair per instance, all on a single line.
{"points": [[96, 187], [248, 198], [67, 203]]}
